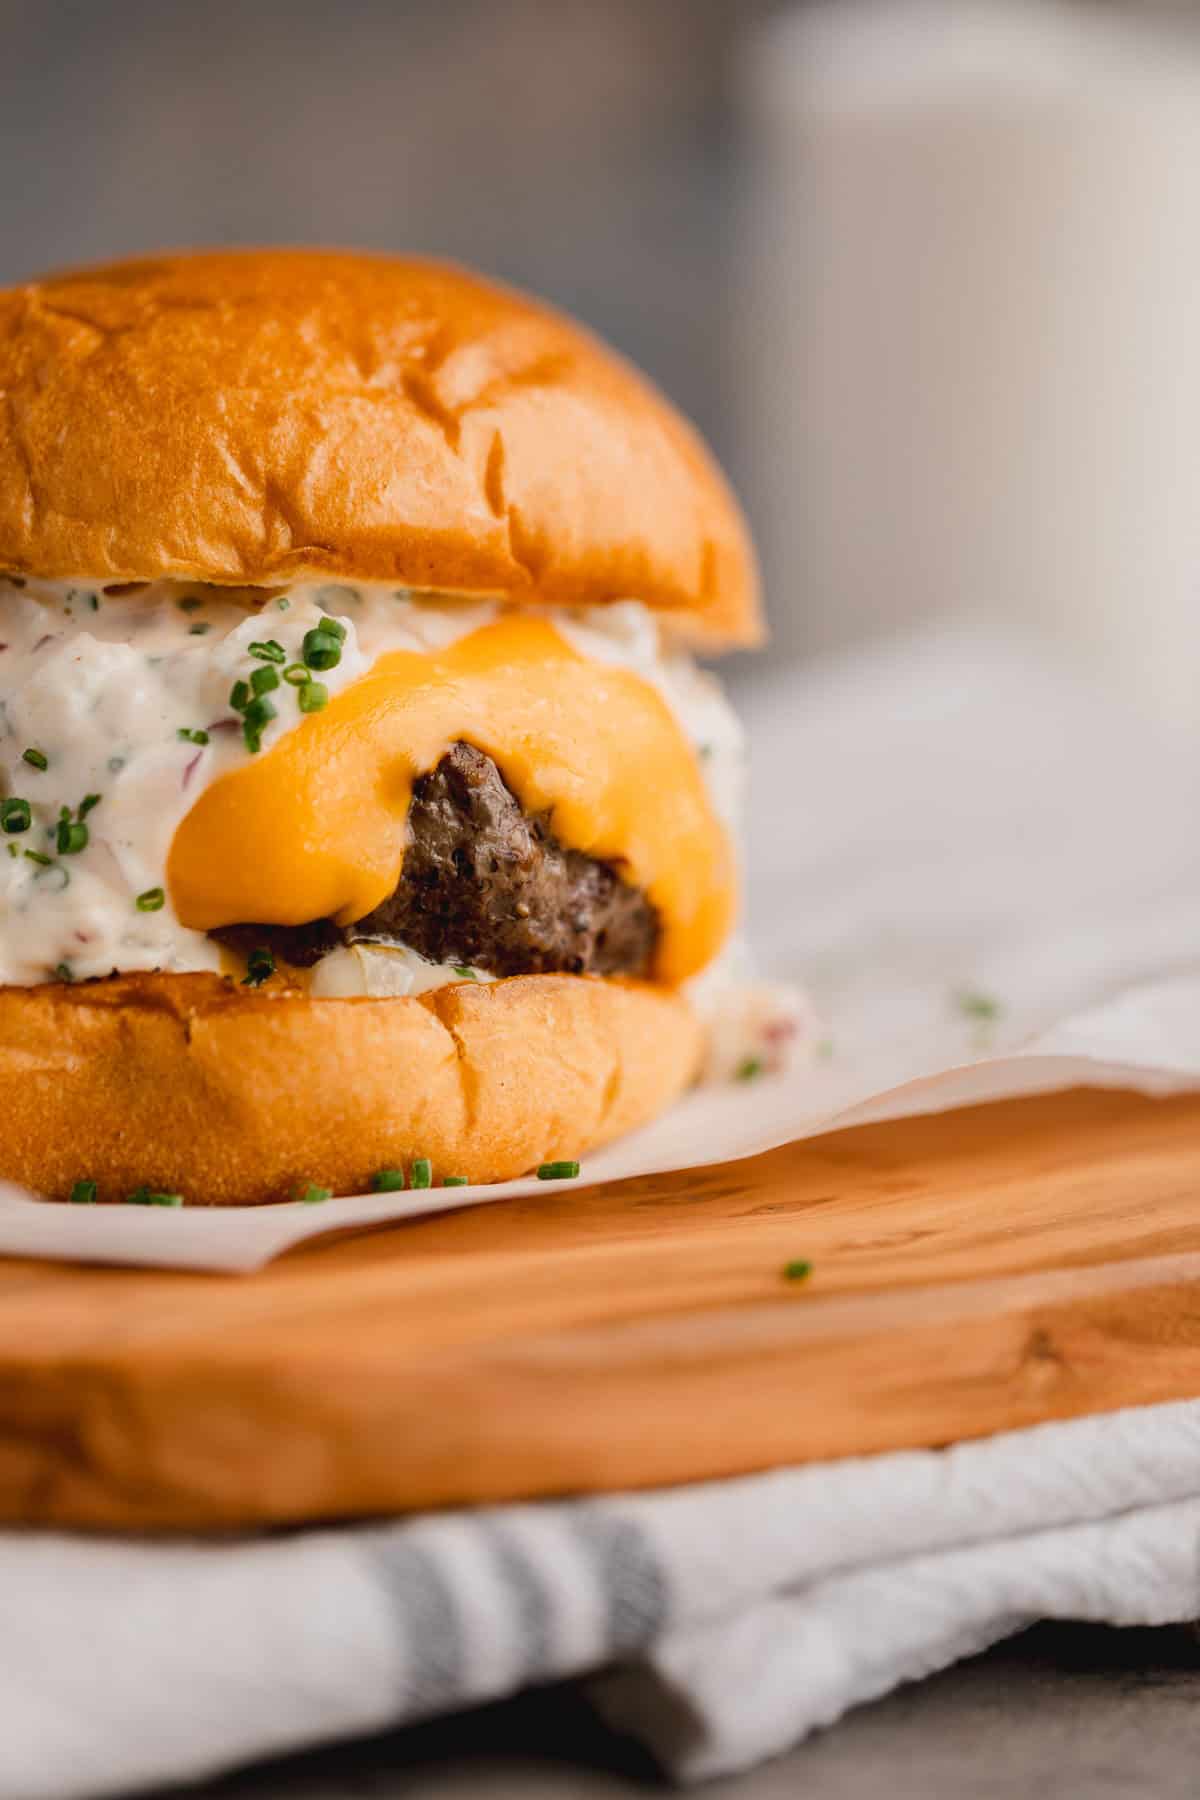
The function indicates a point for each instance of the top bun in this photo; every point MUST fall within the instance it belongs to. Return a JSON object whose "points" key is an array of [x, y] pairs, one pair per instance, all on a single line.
{"points": [[266, 416]]}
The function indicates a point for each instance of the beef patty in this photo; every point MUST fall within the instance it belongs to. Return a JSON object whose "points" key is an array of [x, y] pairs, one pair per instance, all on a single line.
{"points": [[486, 883]]}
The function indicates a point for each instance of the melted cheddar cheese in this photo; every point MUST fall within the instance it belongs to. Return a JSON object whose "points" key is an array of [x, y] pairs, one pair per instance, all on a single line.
{"points": [[316, 826]]}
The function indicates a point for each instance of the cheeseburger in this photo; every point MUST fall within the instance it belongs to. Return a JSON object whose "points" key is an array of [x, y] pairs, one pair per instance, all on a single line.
{"points": [[362, 807]]}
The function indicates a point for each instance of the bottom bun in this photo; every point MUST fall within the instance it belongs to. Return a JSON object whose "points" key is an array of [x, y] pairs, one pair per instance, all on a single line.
{"points": [[186, 1084]]}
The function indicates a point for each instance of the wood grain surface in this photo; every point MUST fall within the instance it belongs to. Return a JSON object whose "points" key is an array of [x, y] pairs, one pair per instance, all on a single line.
{"points": [[971, 1272]]}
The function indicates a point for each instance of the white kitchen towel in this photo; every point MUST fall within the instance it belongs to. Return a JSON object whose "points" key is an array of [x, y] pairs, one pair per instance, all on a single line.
{"points": [[733, 1617]]}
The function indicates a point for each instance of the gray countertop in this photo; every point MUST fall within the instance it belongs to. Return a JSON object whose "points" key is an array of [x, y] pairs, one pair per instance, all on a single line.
{"points": [[1071, 1711]]}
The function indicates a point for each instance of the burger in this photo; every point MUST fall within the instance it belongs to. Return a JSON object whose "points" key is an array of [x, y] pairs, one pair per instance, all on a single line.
{"points": [[364, 814]]}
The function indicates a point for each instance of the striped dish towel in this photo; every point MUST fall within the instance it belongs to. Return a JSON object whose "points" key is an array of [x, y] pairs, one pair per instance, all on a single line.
{"points": [[718, 1623]]}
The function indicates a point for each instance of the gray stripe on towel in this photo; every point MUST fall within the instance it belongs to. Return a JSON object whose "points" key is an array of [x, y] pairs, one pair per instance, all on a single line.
{"points": [[628, 1575], [530, 1601], [427, 1622]]}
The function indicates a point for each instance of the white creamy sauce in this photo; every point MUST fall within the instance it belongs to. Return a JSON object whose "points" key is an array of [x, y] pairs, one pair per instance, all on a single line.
{"points": [[102, 685]]}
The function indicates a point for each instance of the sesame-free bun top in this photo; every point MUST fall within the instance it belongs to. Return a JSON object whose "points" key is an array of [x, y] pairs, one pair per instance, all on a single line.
{"points": [[265, 416]]}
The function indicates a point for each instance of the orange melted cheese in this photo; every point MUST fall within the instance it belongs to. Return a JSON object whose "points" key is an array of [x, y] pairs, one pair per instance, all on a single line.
{"points": [[317, 826]]}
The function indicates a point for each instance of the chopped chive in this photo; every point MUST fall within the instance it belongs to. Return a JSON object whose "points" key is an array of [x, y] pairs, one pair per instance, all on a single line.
{"points": [[94, 602], [797, 1271], [199, 629], [558, 1171], [334, 627], [283, 603], [312, 1195], [255, 719], [313, 697], [37, 857], [191, 604], [15, 815], [465, 970], [153, 900], [37, 759], [271, 651], [88, 804], [71, 837], [144, 1196], [322, 649], [972, 1003], [260, 966], [387, 1181], [420, 1173], [14, 850], [239, 696], [455, 1181], [264, 680], [63, 972], [296, 674], [83, 1193], [750, 1068]]}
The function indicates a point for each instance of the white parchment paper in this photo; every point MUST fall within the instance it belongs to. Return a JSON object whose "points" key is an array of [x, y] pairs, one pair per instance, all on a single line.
{"points": [[987, 876]]}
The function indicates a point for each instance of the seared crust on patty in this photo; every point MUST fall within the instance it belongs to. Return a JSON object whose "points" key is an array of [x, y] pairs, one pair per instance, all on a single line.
{"points": [[488, 884], [188, 1084]]}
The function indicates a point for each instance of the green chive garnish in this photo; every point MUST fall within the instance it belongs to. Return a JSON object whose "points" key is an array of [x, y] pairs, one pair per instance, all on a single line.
{"points": [[71, 837], [750, 1068], [83, 1193], [455, 1181], [271, 651], [37, 759], [387, 1181], [312, 1196], [313, 697], [558, 1171], [15, 815], [974, 1004], [255, 719], [264, 681], [63, 972], [88, 803], [37, 857], [192, 737], [191, 604], [297, 674], [322, 649], [260, 966], [144, 1196], [465, 970], [797, 1271], [420, 1174], [14, 850], [334, 627], [153, 900], [239, 696], [283, 603], [199, 629]]}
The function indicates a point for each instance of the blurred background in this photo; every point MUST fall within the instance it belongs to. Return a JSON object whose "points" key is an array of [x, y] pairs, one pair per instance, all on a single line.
{"points": [[926, 272]]}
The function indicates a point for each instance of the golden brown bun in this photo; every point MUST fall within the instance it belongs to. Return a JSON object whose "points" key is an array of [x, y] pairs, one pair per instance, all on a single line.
{"points": [[190, 1085], [261, 416]]}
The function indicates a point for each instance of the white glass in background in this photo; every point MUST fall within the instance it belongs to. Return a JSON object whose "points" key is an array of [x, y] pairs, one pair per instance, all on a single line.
{"points": [[970, 326]]}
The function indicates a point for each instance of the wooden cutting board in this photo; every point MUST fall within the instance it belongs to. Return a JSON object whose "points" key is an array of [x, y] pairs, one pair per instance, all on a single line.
{"points": [[971, 1272]]}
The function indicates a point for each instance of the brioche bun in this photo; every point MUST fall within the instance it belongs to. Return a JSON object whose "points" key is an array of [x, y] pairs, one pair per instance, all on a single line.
{"points": [[188, 1084], [267, 416]]}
